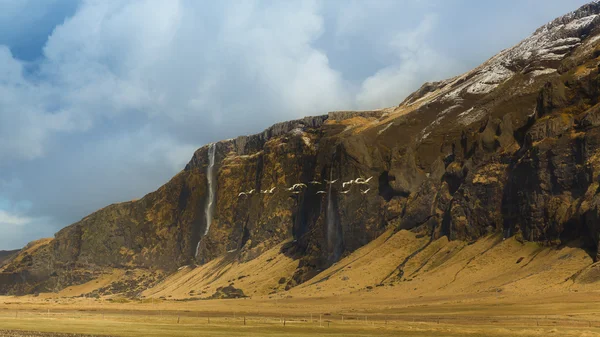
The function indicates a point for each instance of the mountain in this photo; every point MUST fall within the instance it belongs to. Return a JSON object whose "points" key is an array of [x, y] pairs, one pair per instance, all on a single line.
{"points": [[6, 254], [511, 149]]}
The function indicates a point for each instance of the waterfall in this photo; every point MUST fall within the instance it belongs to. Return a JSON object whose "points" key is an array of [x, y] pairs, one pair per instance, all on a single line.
{"points": [[330, 215], [335, 234], [210, 176], [197, 248]]}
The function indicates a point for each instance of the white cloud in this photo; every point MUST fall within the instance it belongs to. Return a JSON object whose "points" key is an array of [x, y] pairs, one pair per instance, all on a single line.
{"points": [[196, 69], [7, 219], [25, 122], [17, 229], [417, 62], [171, 62]]}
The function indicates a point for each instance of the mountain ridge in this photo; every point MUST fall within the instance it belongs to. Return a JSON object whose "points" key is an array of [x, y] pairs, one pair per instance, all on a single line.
{"points": [[510, 147]]}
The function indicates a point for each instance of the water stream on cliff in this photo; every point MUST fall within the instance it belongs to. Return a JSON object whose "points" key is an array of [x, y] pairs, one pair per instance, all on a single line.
{"points": [[210, 177], [331, 226]]}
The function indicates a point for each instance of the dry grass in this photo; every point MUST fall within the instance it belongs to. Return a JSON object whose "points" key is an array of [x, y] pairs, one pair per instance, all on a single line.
{"points": [[493, 287], [259, 276], [474, 319]]}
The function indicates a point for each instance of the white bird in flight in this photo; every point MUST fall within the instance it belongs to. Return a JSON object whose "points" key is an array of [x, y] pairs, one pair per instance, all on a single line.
{"points": [[331, 182], [299, 185], [345, 192], [365, 191], [242, 193], [314, 182], [363, 180], [268, 191], [321, 192], [350, 182]]}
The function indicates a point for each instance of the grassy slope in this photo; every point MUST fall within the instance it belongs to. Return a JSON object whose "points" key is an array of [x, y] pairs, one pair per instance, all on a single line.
{"points": [[474, 289], [439, 268], [491, 265]]}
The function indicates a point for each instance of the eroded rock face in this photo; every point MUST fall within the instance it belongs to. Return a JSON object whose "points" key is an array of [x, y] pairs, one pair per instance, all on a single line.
{"points": [[511, 147], [476, 208]]}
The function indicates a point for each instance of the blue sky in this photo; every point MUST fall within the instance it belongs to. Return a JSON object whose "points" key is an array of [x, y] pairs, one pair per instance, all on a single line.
{"points": [[103, 101]]}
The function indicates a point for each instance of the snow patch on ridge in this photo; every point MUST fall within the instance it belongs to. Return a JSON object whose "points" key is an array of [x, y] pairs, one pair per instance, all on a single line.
{"points": [[551, 42], [581, 23], [541, 72], [385, 128], [489, 79], [470, 116], [425, 132], [538, 55]]}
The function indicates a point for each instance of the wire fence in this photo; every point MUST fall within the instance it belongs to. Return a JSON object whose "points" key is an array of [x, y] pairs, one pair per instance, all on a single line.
{"points": [[322, 320]]}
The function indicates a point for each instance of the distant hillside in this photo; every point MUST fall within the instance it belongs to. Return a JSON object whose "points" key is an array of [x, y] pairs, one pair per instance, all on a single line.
{"points": [[6, 254]]}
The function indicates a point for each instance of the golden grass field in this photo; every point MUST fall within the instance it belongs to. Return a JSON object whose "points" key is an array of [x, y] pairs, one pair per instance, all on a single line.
{"points": [[493, 287], [457, 316]]}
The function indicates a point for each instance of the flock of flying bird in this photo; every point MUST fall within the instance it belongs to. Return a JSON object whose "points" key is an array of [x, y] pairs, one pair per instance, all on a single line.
{"points": [[297, 188]]}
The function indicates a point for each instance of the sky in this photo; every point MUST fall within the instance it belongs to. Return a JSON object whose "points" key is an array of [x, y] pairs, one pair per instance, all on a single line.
{"points": [[103, 101]]}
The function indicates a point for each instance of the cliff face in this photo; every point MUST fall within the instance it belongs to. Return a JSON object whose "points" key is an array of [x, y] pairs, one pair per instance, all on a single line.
{"points": [[509, 147]]}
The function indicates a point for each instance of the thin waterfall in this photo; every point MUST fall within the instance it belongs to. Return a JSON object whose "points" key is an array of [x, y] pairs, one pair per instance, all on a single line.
{"points": [[197, 248], [330, 214], [210, 177], [335, 235]]}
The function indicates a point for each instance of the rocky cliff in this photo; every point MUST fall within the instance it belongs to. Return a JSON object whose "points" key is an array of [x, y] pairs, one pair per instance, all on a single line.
{"points": [[511, 147]]}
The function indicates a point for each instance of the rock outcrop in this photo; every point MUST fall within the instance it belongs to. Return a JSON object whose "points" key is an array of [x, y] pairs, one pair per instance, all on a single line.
{"points": [[512, 147]]}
